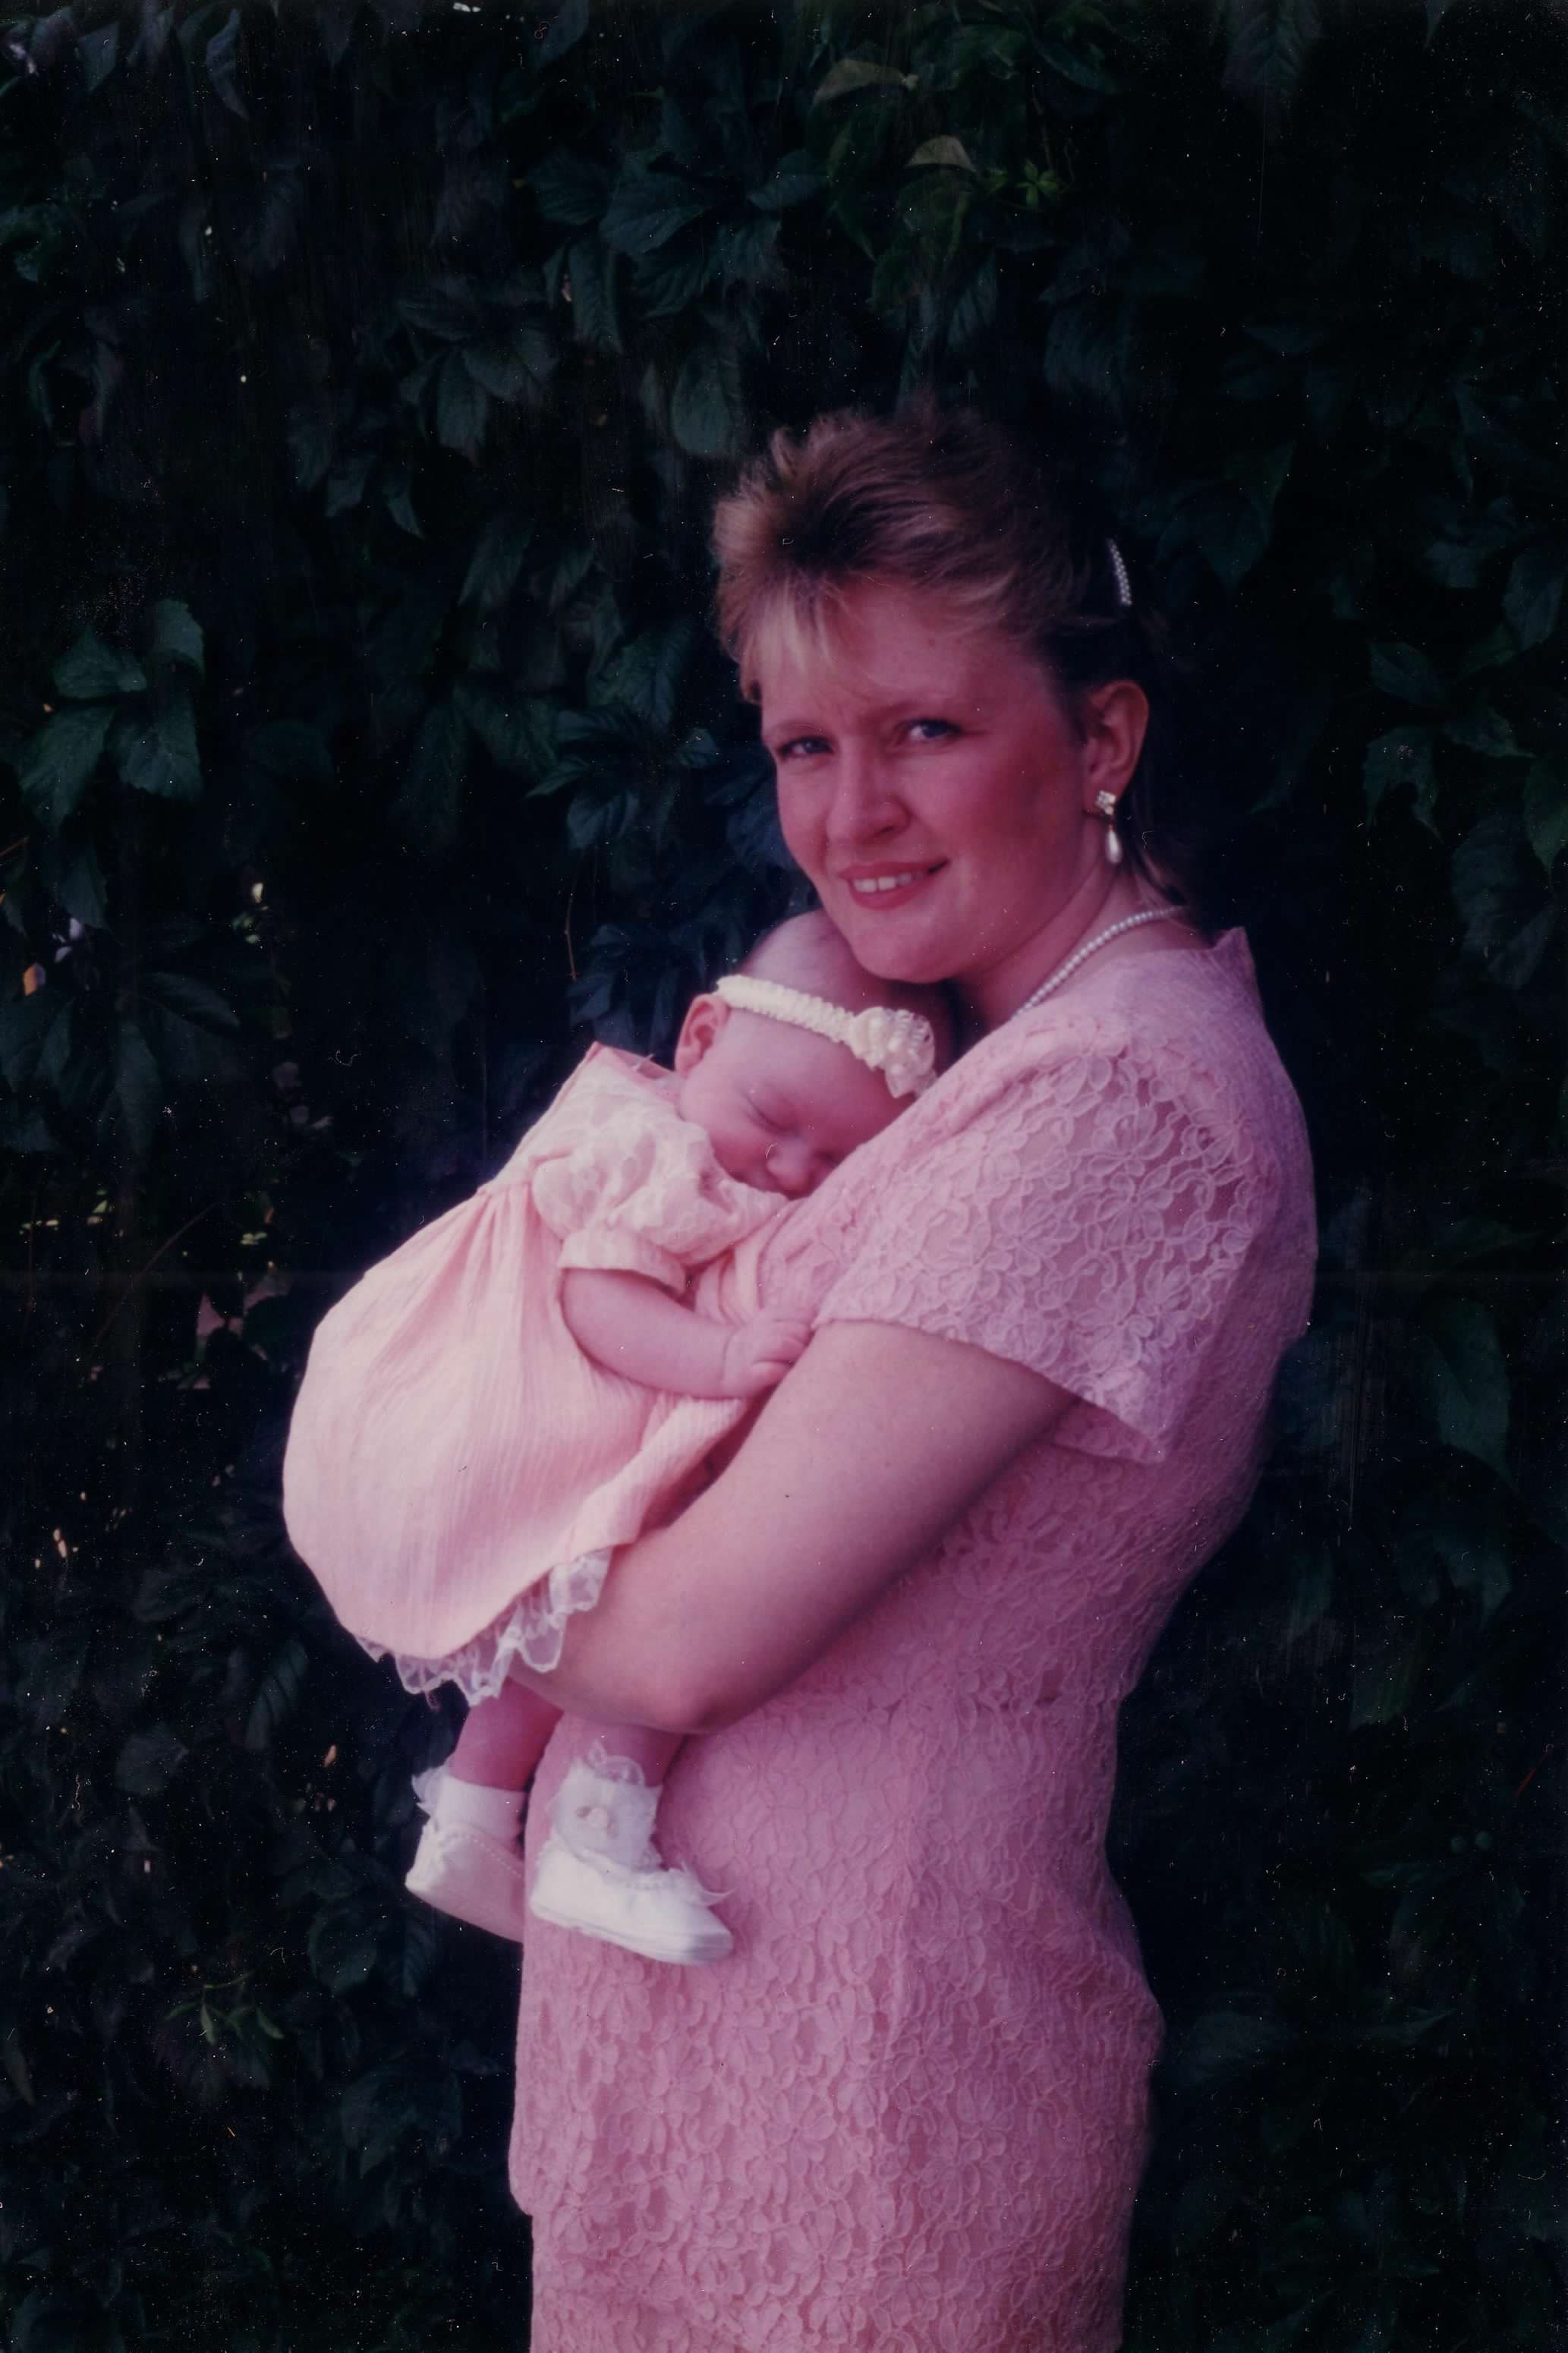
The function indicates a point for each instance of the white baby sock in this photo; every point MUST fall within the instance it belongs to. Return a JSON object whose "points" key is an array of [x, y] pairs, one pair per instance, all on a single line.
{"points": [[448, 1800]]}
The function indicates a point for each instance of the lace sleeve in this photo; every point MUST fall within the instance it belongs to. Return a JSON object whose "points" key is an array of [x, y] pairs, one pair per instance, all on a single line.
{"points": [[642, 1194], [1087, 1221]]}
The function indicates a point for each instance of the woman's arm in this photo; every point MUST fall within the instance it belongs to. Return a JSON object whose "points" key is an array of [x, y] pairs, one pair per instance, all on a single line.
{"points": [[870, 1450], [631, 1325]]}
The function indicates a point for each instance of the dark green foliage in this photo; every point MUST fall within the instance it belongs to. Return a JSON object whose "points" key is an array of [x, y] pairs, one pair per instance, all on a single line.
{"points": [[365, 377]]}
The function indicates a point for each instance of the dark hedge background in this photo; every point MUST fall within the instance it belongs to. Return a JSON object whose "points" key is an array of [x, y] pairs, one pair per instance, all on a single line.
{"points": [[365, 377]]}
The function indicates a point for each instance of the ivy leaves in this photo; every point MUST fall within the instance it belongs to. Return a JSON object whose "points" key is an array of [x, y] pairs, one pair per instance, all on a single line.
{"points": [[138, 711]]}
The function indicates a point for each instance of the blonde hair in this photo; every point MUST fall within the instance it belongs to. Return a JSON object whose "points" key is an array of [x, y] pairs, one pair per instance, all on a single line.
{"points": [[938, 501], [945, 503]]}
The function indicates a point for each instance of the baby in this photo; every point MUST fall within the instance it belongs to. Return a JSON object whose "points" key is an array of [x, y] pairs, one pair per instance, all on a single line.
{"points": [[521, 1388]]}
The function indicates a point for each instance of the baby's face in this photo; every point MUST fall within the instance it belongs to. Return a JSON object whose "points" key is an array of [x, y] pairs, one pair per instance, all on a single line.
{"points": [[780, 1107]]}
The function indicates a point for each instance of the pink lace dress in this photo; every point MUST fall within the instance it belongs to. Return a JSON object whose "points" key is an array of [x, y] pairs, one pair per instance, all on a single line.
{"points": [[457, 1470], [910, 2112]]}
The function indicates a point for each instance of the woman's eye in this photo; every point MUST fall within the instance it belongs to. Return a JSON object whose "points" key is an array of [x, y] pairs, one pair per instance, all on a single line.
{"points": [[931, 730], [802, 747]]}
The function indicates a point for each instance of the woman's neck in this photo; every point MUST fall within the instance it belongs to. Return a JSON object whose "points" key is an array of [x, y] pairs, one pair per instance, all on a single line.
{"points": [[1103, 898]]}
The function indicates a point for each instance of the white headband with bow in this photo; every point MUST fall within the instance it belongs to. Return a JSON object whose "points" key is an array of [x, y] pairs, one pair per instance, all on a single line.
{"points": [[889, 1039]]}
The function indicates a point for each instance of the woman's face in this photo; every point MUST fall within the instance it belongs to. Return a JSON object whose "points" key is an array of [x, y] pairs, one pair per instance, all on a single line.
{"points": [[934, 787]]}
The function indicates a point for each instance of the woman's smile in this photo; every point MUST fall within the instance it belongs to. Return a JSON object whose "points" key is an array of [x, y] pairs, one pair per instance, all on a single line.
{"points": [[881, 889]]}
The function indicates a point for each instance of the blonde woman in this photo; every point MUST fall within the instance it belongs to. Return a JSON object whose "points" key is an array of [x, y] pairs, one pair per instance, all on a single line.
{"points": [[1049, 1303]]}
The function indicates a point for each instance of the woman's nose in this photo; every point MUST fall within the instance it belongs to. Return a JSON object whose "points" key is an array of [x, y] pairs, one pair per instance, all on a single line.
{"points": [[864, 804]]}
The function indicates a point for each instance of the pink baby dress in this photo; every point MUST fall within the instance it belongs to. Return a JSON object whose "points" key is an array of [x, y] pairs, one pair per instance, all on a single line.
{"points": [[457, 1468], [908, 2114]]}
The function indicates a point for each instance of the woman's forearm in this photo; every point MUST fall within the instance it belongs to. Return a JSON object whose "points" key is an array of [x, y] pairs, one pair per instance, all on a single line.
{"points": [[876, 1442]]}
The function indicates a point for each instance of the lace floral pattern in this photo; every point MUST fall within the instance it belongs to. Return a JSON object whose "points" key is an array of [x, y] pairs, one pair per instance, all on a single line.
{"points": [[909, 2111], [533, 1630]]}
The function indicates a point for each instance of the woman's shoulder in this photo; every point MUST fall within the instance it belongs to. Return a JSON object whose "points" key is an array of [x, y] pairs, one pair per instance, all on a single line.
{"points": [[1189, 1010], [1183, 1028]]}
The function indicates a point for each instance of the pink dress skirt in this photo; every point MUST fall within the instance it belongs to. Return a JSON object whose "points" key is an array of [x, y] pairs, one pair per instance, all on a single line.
{"points": [[457, 1470]]}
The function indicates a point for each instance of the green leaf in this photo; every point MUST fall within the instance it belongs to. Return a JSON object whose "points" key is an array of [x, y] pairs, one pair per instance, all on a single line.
{"points": [[99, 54], [794, 179], [222, 60], [1485, 731], [451, 316], [1224, 2045], [191, 999], [567, 28], [1270, 43], [25, 1026], [1534, 591], [1467, 1379], [568, 188], [591, 276], [1407, 673], [517, 730], [1401, 760], [148, 1761], [397, 497], [497, 559], [276, 1695], [644, 678], [513, 366], [342, 1949], [649, 206], [1546, 811], [708, 413], [1477, 1563], [56, 763], [91, 671], [946, 150], [80, 889], [858, 73], [158, 753], [1497, 888], [177, 636], [347, 481], [311, 433], [428, 805], [462, 407], [138, 1089]]}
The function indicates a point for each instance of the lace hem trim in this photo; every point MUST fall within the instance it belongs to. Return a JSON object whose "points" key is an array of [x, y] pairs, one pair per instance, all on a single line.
{"points": [[533, 1630]]}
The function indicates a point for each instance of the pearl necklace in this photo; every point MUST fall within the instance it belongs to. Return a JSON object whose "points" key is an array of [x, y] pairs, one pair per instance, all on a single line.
{"points": [[1112, 932]]}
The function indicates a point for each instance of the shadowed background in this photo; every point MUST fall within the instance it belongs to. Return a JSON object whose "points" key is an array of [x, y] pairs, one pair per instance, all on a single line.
{"points": [[367, 376]]}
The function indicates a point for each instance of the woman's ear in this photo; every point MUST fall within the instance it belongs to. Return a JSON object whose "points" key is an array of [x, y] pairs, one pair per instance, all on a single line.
{"points": [[705, 1016], [1115, 719]]}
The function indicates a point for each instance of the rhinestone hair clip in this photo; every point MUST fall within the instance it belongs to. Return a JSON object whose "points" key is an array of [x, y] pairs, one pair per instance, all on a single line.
{"points": [[1124, 585]]}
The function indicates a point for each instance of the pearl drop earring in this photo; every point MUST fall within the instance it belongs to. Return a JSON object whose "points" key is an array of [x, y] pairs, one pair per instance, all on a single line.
{"points": [[1105, 807]]}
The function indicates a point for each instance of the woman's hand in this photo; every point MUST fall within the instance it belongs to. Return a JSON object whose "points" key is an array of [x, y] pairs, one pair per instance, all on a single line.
{"points": [[863, 1458]]}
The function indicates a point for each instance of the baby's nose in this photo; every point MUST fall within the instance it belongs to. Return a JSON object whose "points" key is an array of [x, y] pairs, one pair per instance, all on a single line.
{"points": [[791, 1167]]}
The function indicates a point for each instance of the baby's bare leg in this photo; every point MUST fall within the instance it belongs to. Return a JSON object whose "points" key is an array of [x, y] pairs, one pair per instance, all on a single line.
{"points": [[635, 1744], [504, 1738]]}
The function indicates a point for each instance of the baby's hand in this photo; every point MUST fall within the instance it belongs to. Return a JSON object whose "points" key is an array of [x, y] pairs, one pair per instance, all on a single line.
{"points": [[761, 1353]]}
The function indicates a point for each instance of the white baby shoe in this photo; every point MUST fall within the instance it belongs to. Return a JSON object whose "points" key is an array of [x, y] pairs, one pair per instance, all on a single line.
{"points": [[600, 1873], [467, 1867]]}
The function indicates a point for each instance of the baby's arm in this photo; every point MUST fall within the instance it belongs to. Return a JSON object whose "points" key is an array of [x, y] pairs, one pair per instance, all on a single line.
{"points": [[631, 1325]]}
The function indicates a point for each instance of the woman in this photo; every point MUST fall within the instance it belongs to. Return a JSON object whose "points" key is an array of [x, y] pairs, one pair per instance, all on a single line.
{"points": [[1049, 1301]]}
